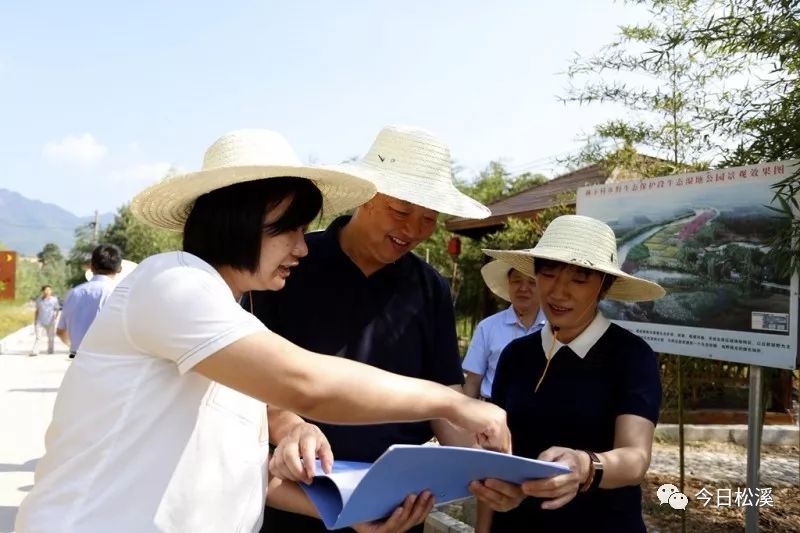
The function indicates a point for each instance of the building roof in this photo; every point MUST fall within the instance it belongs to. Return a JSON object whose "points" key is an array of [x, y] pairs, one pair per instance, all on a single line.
{"points": [[526, 203]]}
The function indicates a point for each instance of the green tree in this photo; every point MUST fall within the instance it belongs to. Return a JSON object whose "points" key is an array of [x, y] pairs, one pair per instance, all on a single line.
{"points": [[136, 239], [639, 253], [53, 270], [668, 95], [766, 112], [764, 115], [752, 50], [28, 281], [492, 184], [471, 304], [50, 253], [687, 256], [80, 255], [495, 182]]}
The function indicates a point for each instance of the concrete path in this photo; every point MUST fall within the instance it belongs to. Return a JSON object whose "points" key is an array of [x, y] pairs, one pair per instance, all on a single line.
{"points": [[775, 435], [725, 464], [28, 387]]}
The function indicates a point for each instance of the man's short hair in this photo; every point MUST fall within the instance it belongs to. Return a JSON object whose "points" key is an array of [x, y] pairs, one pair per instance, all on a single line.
{"points": [[106, 259], [225, 226], [46, 287]]}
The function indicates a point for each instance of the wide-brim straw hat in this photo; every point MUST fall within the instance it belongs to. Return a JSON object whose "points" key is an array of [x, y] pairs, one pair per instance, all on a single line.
{"points": [[126, 268], [412, 164], [585, 242], [495, 275], [237, 157]]}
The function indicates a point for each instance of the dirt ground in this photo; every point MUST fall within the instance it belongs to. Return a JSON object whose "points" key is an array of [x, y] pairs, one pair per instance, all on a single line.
{"points": [[783, 516]]}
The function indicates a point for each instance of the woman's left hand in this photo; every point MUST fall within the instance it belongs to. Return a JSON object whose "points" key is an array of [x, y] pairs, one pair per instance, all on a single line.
{"points": [[559, 490], [496, 494]]}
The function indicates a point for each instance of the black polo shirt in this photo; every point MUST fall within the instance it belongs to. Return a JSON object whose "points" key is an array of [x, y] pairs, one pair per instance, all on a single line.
{"points": [[399, 319], [576, 407]]}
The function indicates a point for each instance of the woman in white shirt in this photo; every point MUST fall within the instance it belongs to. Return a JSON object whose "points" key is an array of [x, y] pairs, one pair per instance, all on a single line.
{"points": [[160, 424]]}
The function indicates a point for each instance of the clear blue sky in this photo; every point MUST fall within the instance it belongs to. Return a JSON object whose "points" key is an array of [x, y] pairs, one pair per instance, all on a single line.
{"points": [[98, 98]]}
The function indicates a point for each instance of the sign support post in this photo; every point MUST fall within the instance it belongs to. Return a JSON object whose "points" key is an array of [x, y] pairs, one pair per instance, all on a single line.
{"points": [[755, 423]]}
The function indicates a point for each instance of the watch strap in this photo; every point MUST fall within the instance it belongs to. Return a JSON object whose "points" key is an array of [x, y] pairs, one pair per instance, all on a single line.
{"points": [[595, 473], [597, 468]]}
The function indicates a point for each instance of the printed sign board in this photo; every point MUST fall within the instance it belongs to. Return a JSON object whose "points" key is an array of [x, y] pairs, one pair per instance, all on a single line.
{"points": [[704, 237]]}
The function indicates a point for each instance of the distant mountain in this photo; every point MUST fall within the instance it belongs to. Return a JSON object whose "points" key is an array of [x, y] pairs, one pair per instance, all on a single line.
{"points": [[27, 225]]}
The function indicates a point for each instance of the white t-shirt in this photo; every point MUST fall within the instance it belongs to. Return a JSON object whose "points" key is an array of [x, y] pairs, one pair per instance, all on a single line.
{"points": [[138, 442]]}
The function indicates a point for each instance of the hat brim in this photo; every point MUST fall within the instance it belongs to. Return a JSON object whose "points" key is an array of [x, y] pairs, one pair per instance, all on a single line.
{"points": [[167, 204], [626, 288], [438, 196], [495, 275], [126, 268]]}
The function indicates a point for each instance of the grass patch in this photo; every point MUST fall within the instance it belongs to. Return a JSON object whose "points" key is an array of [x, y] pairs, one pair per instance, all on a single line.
{"points": [[670, 251], [13, 316]]}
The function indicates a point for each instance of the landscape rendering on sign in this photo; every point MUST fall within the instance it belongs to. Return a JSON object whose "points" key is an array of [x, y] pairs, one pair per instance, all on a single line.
{"points": [[709, 247]]}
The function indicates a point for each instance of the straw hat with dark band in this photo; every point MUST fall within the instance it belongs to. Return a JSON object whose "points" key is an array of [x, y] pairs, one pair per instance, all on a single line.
{"points": [[412, 164], [584, 242], [239, 156]]}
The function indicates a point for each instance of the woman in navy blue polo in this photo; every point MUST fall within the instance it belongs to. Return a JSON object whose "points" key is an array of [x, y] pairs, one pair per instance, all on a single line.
{"points": [[582, 391]]}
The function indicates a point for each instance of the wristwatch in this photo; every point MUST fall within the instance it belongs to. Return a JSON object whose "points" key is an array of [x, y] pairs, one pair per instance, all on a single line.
{"points": [[595, 472]]}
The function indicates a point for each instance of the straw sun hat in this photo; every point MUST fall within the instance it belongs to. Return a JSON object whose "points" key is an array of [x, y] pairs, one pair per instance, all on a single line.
{"points": [[495, 275], [584, 242], [411, 164], [237, 157]]}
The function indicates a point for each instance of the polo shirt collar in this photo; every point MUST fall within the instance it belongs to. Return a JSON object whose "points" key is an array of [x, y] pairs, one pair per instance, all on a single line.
{"points": [[583, 342], [330, 236], [541, 319], [510, 317], [333, 250]]}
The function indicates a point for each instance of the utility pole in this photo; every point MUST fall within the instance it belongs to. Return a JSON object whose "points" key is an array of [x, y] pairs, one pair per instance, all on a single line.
{"points": [[96, 226]]}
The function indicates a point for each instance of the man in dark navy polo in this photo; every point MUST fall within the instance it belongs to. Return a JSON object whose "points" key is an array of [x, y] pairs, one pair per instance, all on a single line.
{"points": [[360, 294]]}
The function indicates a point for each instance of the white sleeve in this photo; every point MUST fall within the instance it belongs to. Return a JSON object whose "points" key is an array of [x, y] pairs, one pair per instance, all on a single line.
{"points": [[477, 358], [185, 314]]}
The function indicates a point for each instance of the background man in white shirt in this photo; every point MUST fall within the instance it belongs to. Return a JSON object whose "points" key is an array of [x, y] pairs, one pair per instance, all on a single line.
{"points": [[44, 320], [493, 333]]}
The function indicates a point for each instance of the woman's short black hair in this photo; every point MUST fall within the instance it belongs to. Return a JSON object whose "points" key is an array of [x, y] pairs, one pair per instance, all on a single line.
{"points": [[225, 226], [608, 279]]}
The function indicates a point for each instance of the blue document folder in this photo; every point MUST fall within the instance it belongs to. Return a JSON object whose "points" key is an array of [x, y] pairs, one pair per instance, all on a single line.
{"points": [[358, 492]]}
